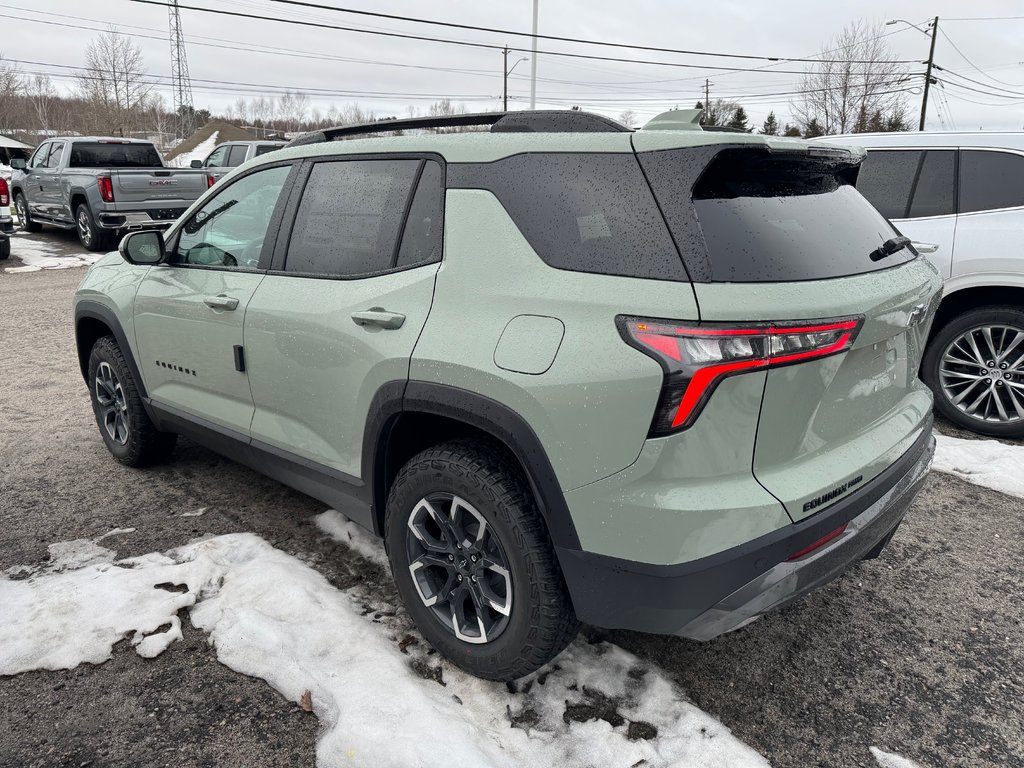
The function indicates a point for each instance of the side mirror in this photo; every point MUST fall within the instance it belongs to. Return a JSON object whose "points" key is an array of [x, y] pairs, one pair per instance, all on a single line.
{"points": [[19, 163], [146, 247], [196, 164]]}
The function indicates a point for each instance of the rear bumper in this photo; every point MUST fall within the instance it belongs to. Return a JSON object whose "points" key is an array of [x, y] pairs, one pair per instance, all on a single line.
{"points": [[138, 219], [707, 597]]}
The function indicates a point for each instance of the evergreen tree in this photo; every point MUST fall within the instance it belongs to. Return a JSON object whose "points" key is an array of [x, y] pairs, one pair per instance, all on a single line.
{"points": [[813, 129], [861, 126], [876, 123], [771, 125], [739, 120], [791, 130]]}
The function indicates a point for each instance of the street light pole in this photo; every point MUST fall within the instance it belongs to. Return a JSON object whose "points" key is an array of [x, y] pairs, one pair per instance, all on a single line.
{"points": [[928, 72], [533, 65], [504, 77]]}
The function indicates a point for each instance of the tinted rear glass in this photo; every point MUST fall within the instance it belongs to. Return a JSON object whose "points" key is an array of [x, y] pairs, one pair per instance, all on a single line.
{"points": [[935, 191], [262, 149], [886, 179], [581, 211], [96, 155], [236, 156], [783, 218], [990, 180]]}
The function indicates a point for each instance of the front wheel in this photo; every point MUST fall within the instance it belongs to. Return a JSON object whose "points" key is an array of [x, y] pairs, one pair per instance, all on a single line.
{"points": [[124, 425], [975, 367], [24, 217], [473, 563], [90, 235]]}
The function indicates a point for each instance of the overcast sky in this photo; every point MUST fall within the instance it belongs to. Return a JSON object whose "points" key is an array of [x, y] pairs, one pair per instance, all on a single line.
{"points": [[387, 75]]}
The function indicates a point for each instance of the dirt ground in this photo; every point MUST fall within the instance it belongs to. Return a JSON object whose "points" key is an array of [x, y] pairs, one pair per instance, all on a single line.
{"points": [[920, 652]]}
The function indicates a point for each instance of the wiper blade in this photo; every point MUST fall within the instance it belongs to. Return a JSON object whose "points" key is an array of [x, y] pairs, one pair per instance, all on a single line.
{"points": [[889, 247]]}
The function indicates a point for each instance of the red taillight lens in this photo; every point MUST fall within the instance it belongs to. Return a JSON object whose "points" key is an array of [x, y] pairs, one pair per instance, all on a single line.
{"points": [[106, 189], [210, 181], [5, 192], [696, 357], [819, 543]]}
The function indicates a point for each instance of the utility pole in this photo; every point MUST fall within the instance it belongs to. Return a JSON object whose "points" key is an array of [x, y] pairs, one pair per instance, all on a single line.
{"points": [[928, 73], [533, 64], [707, 105], [504, 70]]}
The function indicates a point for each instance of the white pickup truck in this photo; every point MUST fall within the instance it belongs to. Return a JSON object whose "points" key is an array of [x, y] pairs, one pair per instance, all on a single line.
{"points": [[102, 187]]}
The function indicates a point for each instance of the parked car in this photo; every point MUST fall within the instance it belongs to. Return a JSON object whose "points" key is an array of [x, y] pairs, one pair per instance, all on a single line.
{"points": [[960, 197], [231, 154], [102, 187], [662, 380]]}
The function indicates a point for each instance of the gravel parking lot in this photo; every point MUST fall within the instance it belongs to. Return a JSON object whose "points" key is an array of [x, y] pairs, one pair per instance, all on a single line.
{"points": [[920, 652]]}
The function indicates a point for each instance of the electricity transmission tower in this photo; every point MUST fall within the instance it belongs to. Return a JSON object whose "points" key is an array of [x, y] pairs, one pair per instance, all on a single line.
{"points": [[184, 112]]}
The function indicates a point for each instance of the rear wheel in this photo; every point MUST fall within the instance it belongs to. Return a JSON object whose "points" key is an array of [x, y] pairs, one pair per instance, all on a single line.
{"points": [[473, 563], [24, 217], [5, 247], [975, 367], [90, 235], [124, 424]]}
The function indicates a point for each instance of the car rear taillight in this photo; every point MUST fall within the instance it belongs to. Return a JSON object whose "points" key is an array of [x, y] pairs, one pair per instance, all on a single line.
{"points": [[697, 356], [210, 181], [5, 192], [106, 189]]}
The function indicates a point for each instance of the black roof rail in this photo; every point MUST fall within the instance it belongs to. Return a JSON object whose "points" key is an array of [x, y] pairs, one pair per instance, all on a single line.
{"points": [[527, 121]]}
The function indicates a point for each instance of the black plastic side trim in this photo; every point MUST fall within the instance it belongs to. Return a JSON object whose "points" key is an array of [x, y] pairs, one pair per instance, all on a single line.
{"points": [[509, 427], [343, 492], [96, 311]]}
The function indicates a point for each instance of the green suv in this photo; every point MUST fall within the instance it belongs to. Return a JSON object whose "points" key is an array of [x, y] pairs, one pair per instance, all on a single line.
{"points": [[663, 380]]}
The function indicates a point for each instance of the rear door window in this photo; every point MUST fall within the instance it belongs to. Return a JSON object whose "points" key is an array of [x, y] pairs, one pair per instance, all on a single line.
{"points": [[769, 217], [990, 180], [421, 238], [886, 179], [237, 155], [350, 217], [935, 189], [262, 149]]}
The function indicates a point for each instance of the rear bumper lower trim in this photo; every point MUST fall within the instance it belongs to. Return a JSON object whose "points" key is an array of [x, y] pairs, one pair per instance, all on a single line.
{"points": [[707, 597]]}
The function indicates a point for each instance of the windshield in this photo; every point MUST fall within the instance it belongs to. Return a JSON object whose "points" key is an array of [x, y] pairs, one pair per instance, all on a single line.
{"points": [[103, 155]]}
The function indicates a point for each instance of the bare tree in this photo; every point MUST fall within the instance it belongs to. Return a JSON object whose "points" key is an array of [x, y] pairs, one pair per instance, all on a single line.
{"points": [[114, 82], [717, 112], [11, 85], [43, 97], [856, 76], [628, 118]]}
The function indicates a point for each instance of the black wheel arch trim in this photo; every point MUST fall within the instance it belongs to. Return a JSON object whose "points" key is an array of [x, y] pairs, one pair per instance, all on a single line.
{"points": [[480, 412], [93, 310]]}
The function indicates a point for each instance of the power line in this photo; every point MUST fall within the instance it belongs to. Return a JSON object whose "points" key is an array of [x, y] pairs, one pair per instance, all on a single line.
{"points": [[466, 43], [975, 66], [506, 32], [997, 88]]}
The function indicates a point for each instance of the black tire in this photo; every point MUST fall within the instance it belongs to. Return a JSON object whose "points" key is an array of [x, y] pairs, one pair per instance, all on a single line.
{"points": [[1010, 316], [90, 235], [142, 443], [24, 217], [5, 247], [540, 621]]}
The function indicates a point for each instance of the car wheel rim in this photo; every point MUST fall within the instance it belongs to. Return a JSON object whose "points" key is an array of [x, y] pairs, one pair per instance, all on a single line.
{"points": [[982, 373], [19, 205], [459, 568], [84, 228], [113, 405]]}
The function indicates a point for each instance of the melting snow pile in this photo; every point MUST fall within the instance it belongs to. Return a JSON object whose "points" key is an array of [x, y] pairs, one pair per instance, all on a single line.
{"points": [[37, 254], [204, 148], [889, 760], [989, 463], [381, 701]]}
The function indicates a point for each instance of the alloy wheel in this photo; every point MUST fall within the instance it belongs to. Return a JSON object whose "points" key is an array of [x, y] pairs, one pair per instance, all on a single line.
{"points": [[112, 403], [19, 206], [459, 568], [84, 227], [982, 373]]}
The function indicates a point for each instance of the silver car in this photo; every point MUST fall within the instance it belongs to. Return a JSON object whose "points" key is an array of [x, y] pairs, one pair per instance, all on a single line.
{"points": [[960, 198], [231, 154]]}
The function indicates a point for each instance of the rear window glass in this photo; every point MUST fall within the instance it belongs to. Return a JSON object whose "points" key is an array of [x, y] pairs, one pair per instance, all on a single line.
{"points": [[990, 180], [935, 191], [581, 211], [262, 149], [886, 179], [783, 218], [97, 155], [236, 156]]}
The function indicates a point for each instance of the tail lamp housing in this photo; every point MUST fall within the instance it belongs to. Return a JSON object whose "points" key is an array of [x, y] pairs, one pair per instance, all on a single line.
{"points": [[5, 193], [106, 189], [696, 357]]}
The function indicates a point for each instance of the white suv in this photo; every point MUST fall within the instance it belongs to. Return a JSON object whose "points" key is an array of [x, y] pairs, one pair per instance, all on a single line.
{"points": [[960, 198]]}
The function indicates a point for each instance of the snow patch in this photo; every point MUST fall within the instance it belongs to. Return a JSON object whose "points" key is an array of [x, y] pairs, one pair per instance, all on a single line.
{"points": [[204, 148], [988, 463], [343, 530], [195, 513], [382, 697], [890, 760], [37, 253]]}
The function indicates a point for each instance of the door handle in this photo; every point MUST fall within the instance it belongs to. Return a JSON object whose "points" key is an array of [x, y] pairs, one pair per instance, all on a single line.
{"points": [[226, 303], [379, 317], [925, 247]]}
